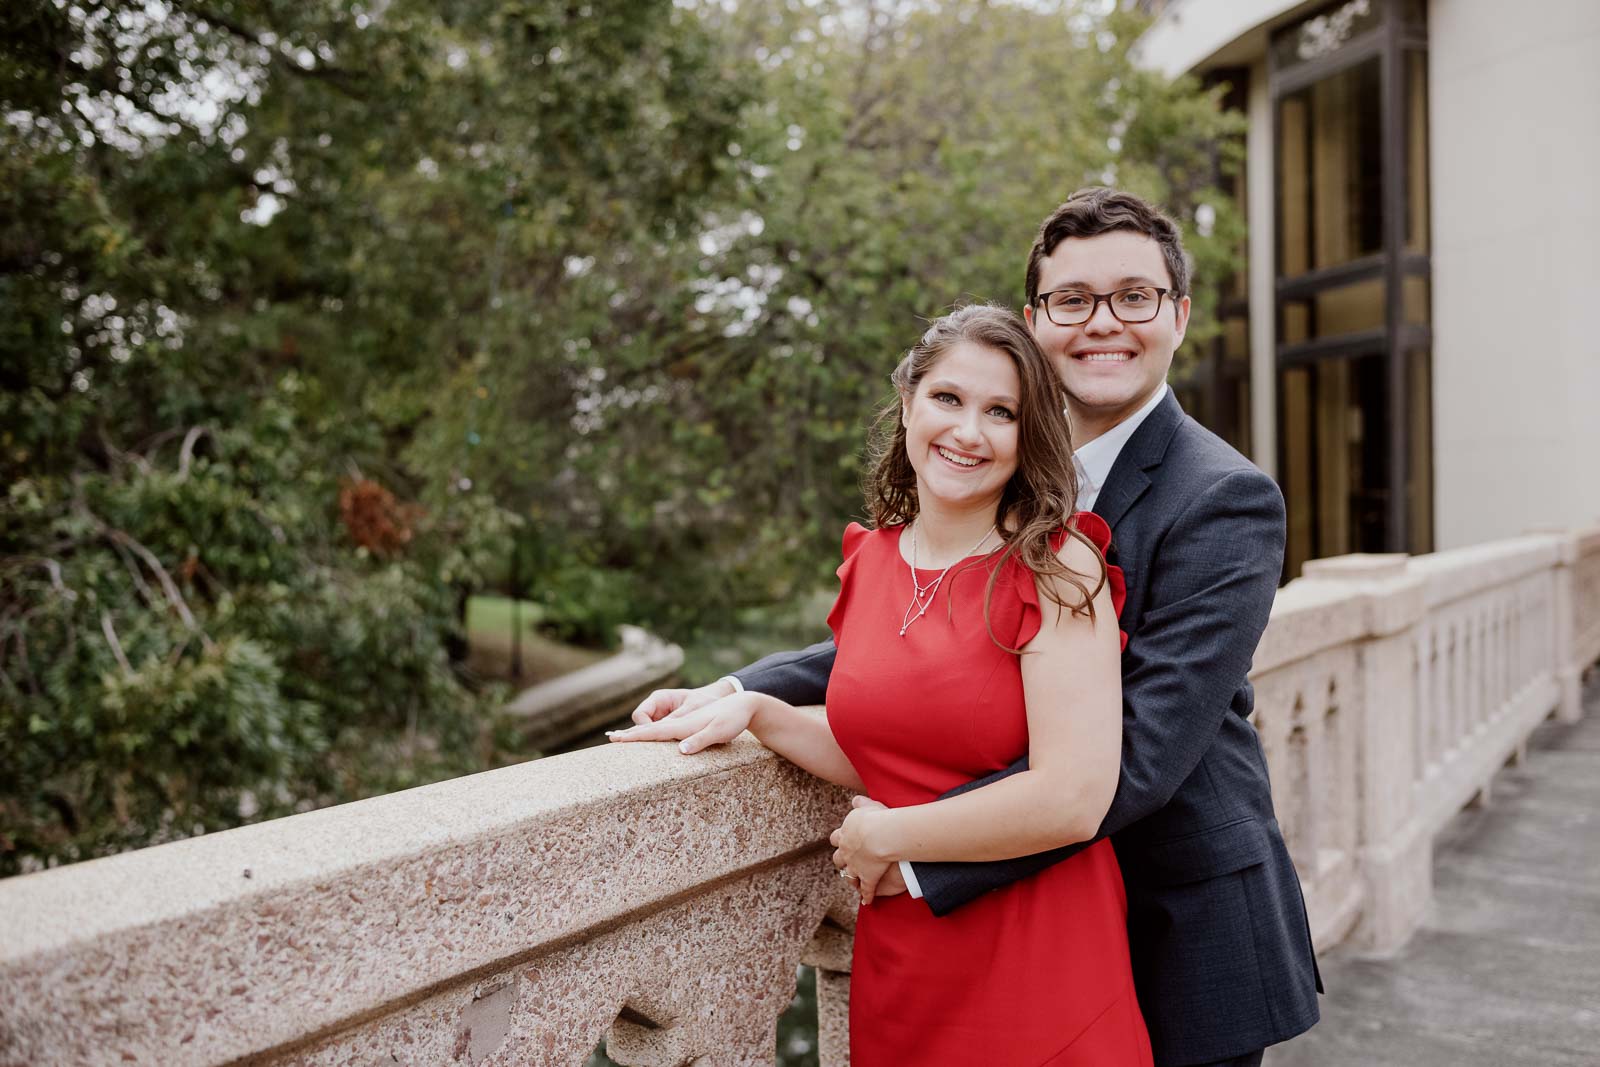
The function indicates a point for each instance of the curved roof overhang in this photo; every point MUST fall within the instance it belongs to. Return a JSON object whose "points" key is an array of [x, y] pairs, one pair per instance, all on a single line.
{"points": [[1193, 35]]}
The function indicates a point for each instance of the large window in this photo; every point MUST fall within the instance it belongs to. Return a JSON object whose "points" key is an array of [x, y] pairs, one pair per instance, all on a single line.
{"points": [[1349, 90]]}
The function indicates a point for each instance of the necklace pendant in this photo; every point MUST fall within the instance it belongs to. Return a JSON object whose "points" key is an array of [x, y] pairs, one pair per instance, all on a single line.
{"points": [[923, 596]]}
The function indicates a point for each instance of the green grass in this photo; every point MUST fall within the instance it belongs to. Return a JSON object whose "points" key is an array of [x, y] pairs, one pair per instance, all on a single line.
{"points": [[490, 616], [489, 636], [713, 652]]}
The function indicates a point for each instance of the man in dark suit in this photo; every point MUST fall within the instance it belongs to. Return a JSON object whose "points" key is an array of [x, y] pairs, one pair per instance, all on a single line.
{"points": [[1220, 943]]}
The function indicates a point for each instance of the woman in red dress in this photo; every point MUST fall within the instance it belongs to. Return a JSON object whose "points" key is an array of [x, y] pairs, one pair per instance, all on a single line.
{"points": [[975, 623]]}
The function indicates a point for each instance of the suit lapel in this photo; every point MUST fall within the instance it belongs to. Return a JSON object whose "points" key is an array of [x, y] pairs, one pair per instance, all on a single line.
{"points": [[1123, 489], [1128, 481]]}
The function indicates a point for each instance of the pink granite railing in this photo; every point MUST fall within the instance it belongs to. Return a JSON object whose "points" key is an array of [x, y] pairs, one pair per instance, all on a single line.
{"points": [[661, 903], [513, 917]]}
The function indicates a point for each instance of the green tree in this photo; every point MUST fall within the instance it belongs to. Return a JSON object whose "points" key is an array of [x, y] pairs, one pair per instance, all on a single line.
{"points": [[252, 258], [898, 162]]}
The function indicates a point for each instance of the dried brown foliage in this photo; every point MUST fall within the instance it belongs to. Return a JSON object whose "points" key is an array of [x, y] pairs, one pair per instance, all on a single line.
{"points": [[375, 519]]}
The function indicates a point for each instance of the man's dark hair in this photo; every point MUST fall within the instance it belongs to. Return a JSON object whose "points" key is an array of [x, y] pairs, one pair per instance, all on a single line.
{"points": [[1096, 210]]}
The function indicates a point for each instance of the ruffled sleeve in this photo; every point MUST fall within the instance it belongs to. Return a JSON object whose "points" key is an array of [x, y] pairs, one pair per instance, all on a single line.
{"points": [[855, 535], [1095, 528]]}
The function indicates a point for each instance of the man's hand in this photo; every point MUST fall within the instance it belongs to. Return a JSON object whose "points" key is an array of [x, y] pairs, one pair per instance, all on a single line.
{"points": [[673, 702], [892, 884]]}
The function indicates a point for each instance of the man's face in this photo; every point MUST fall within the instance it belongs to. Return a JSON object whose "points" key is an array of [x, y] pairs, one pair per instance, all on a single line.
{"points": [[1110, 368]]}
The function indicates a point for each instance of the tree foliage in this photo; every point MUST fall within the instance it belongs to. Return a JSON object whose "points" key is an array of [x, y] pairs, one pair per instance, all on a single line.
{"points": [[312, 313], [250, 255], [898, 161]]}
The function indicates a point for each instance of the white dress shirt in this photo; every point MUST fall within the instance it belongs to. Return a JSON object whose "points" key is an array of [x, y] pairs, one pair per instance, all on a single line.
{"points": [[1095, 459], [1093, 462]]}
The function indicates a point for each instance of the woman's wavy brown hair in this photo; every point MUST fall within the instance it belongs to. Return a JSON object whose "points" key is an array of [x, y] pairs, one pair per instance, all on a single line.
{"points": [[1042, 494]]}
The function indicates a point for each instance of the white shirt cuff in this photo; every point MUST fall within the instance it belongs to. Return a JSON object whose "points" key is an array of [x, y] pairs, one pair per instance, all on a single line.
{"points": [[738, 686], [911, 880]]}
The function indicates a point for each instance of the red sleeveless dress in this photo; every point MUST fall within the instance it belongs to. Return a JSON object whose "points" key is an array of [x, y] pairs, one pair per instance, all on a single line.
{"points": [[1031, 974]]}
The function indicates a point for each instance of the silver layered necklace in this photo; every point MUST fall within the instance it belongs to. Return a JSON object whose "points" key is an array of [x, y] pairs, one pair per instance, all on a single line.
{"points": [[922, 595]]}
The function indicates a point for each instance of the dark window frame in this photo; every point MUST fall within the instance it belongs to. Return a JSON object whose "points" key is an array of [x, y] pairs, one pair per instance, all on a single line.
{"points": [[1391, 44]]}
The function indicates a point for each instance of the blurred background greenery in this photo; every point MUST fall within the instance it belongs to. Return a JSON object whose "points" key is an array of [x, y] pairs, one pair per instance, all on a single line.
{"points": [[318, 319]]}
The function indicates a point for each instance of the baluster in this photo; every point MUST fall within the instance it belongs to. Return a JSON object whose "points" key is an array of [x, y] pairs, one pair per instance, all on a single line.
{"points": [[1519, 657], [1441, 691], [1318, 791], [1274, 710], [1497, 647], [829, 952], [1452, 710], [1341, 763], [1298, 835], [1472, 691], [1426, 664], [1482, 708]]}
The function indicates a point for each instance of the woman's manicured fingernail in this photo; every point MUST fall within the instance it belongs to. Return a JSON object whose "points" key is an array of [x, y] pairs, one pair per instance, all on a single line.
{"points": [[683, 746]]}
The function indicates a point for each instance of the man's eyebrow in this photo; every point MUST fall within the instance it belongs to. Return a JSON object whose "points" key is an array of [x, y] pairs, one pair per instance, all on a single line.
{"points": [[944, 385], [1123, 283]]}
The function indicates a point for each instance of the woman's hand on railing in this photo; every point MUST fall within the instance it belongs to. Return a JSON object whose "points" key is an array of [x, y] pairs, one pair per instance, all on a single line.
{"points": [[697, 727], [664, 702], [700, 718]]}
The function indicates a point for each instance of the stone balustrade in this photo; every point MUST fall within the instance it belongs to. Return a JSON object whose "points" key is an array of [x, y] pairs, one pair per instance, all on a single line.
{"points": [[1388, 693], [662, 903], [1578, 599], [513, 917]]}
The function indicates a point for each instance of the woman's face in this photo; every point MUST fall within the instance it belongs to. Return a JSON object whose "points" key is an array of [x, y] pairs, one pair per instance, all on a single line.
{"points": [[961, 427]]}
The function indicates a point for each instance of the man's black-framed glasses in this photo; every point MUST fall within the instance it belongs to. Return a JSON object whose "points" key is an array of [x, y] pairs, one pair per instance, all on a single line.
{"points": [[1074, 307]]}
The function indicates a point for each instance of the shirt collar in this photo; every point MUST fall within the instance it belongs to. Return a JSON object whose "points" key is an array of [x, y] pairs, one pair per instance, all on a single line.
{"points": [[1095, 459]]}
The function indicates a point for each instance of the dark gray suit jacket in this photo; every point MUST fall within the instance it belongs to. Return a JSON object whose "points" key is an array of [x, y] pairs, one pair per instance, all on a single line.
{"points": [[1221, 947]]}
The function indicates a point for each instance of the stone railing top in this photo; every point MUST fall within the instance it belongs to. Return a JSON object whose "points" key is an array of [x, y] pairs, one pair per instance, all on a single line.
{"points": [[268, 934], [1459, 573], [1308, 616], [1589, 541], [1362, 566], [1345, 598]]}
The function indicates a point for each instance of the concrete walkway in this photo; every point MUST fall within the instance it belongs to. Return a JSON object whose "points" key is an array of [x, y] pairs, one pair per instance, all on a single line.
{"points": [[1506, 970]]}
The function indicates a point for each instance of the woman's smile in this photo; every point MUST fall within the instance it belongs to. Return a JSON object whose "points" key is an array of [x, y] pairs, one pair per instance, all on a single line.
{"points": [[963, 460]]}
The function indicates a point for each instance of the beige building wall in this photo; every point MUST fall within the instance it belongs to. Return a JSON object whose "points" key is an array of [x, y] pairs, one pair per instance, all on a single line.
{"points": [[1514, 115], [1515, 147]]}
